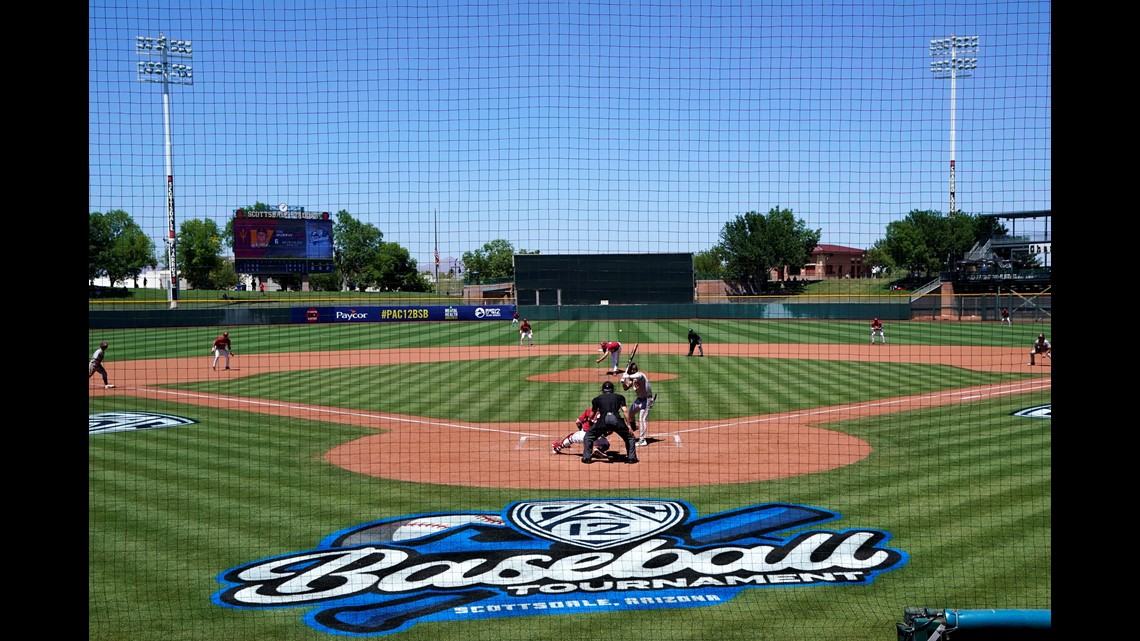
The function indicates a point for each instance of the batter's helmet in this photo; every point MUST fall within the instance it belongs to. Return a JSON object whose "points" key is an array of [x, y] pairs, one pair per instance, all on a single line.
{"points": [[608, 386], [103, 345], [632, 368]]}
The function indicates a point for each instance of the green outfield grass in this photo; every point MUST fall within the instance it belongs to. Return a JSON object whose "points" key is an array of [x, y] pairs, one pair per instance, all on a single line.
{"points": [[964, 490], [130, 344]]}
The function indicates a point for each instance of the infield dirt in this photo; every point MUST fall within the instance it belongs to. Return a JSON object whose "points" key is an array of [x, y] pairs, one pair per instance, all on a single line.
{"points": [[427, 450]]}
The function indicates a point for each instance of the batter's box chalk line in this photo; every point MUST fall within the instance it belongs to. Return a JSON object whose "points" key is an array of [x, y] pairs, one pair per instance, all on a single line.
{"points": [[537, 443]]}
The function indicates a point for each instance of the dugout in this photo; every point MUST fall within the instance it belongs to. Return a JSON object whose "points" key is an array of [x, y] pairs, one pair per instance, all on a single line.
{"points": [[597, 279]]}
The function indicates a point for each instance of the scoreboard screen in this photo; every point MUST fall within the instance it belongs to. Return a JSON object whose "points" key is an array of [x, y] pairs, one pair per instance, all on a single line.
{"points": [[292, 242], [282, 266]]}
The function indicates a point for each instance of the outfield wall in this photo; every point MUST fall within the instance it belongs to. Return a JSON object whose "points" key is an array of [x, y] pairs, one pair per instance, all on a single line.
{"points": [[745, 311], [935, 306], [299, 314]]}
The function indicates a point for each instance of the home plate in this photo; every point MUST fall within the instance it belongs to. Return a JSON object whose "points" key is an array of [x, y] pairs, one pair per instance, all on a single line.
{"points": [[538, 443]]}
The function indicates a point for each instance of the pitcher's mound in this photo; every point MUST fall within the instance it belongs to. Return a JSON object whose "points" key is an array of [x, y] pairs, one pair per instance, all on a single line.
{"points": [[590, 375]]}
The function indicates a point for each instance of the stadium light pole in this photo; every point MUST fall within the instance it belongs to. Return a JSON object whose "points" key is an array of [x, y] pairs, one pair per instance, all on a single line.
{"points": [[950, 59], [167, 73]]}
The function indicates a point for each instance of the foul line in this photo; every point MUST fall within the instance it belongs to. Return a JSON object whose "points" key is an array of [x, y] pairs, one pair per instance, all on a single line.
{"points": [[317, 409], [961, 394], [966, 394]]}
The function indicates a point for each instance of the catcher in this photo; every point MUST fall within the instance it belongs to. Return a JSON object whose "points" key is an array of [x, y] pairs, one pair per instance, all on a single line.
{"points": [[586, 421]]}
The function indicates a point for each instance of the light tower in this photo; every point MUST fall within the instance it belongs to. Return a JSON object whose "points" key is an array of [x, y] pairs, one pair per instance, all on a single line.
{"points": [[950, 59], [167, 73]]}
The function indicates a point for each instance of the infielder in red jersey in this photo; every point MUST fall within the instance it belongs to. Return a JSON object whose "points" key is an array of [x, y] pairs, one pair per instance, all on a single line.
{"points": [[613, 348], [877, 330], [221, 347]]}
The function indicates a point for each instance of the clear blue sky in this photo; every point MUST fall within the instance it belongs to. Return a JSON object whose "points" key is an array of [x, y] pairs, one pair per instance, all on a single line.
{"points": [[573, 127]]}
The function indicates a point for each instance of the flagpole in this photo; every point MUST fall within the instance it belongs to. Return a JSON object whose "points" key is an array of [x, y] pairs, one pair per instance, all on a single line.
{"points": [[437, 252]]}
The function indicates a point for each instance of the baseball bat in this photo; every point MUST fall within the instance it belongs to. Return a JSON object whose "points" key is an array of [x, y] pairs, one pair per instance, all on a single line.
{"points": [[631, 355]]}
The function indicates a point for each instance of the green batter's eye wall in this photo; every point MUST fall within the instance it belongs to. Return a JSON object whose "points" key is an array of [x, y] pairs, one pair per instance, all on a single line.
{"points": [[589, 279]]}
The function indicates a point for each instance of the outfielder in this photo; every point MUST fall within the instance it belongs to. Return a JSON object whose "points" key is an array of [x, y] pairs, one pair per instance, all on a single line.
{"points": [[639, 411]]}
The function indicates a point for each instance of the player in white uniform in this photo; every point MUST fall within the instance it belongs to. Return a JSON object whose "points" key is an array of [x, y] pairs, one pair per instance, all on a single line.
{"points": [[639, 410]]}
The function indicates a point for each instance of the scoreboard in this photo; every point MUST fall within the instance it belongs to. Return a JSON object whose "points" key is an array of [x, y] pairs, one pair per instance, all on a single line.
{"points": [[271, 266], [283, 241]]}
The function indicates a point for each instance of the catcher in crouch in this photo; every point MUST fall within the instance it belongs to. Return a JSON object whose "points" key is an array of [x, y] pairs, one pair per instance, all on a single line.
{"points": [[585, 423], [639, 411]]}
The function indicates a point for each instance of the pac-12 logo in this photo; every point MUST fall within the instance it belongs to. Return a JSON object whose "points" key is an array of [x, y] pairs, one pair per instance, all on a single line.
{"points": [[1037, 411], [487, 312], [110, 422], [553, 557]]}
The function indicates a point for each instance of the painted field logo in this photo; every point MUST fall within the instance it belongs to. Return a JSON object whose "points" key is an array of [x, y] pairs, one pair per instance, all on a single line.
{"points": [[1037, 411], [553, 557], [109, 422]]}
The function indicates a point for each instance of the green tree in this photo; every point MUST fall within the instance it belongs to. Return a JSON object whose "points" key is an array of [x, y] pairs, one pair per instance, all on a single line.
{"points": [[755, 244], [326, 282], [961, 232], [397, 270], [354, 249], [877, 256], [118, 247], [224, 276], [495, 259], [98, 245], [946, 239], [987, 227], [199, 252], [709, 264], [906, 247]]}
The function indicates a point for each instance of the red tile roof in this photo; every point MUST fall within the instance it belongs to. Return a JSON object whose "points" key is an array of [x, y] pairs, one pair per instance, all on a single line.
{"points": [[836, 249]]}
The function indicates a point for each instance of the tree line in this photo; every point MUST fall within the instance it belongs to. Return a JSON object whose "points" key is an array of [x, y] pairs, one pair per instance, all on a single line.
{"points": [[751, 247]]}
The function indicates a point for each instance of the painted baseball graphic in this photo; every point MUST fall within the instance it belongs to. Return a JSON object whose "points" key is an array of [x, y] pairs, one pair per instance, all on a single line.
{"points": [[434, 524], [400, 530]]}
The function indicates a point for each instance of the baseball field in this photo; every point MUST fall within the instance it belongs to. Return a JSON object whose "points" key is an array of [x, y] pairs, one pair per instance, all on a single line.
{"points": [[217, 499]]}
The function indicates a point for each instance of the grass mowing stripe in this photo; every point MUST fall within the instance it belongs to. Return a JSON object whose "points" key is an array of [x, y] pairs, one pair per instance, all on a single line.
{"points": [[240, 486], [132, 344]]}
